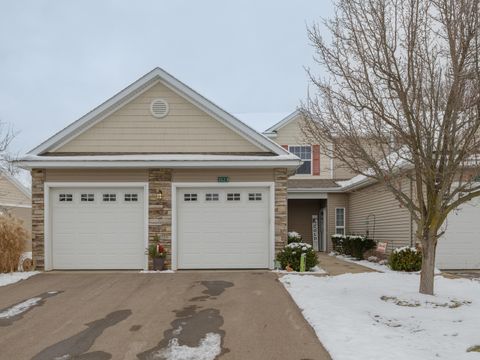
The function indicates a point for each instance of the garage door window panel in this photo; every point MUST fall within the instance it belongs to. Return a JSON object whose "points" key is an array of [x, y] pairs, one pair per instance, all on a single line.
{"points": [[255, 196], [190, 197], [65, 197], [233, 197], [212, 197], [109, 197], [131, 198], [87, 197]]}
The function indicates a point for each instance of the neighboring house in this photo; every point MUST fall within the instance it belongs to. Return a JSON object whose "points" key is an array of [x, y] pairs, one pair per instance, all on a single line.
{"points": [[158, 159], [15, 199], [321, 202]]}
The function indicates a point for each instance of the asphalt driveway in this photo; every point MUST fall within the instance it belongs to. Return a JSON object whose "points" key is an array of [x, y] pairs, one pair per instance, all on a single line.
{"points": [[125, 315]]}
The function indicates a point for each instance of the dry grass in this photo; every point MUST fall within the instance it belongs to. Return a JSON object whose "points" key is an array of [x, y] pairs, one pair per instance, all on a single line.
{"points": [[12, 242]]}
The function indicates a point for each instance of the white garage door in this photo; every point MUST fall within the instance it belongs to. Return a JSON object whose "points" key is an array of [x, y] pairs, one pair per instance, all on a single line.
{"points": [[459, 248], [97, 228], [223, 228]]}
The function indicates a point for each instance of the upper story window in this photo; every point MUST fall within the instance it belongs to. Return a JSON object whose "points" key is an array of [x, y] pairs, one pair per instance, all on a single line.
{"points": [[304, 152]]}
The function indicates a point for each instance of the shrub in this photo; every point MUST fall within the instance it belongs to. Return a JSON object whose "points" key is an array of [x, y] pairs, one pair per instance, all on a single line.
{"points": [[12, 242], [156, 250], [406, 259], [353, 245], [294, 236], [291, 254]]}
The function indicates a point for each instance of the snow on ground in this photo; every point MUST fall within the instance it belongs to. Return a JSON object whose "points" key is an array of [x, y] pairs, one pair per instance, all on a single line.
{"points": [[208, 349], [382, 315], [19, 308], [315, 270], [371, 265], [157, 271], [10, 278]]}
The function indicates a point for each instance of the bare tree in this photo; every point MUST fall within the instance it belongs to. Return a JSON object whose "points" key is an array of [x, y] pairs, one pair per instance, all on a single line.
{"points": [[7, 159], [401, 99]]}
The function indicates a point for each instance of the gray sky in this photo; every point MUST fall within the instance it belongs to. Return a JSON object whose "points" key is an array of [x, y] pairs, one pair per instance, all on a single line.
{"points": [[59, 59]]}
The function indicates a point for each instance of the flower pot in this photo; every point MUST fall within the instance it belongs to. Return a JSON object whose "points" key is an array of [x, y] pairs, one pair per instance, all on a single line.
{"points": [[158, 263]]}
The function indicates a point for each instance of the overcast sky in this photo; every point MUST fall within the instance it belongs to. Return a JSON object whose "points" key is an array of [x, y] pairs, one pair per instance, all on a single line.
{"points": [[59, 59]]}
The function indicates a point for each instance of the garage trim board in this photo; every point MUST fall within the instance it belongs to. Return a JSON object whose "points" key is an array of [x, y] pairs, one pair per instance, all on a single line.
{"points": [[269, 186], [48, 186]]}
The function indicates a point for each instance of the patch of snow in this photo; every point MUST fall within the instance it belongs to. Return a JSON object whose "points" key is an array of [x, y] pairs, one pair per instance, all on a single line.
{"points": [[208, 349], [381, 267], [315, 270], [157, 271], [11, 278], [382, 315], [19, 308]]}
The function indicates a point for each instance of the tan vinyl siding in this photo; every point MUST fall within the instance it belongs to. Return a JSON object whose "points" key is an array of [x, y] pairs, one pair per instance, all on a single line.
{"points": [[392, 222], [93, 175], [186, 129], [336, 201], [10, 194], [211, 175], [341, 172], [291, 134]]}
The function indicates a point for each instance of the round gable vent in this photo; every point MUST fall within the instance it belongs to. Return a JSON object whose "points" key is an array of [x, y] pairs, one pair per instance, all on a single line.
{"points": [[159, 108]]}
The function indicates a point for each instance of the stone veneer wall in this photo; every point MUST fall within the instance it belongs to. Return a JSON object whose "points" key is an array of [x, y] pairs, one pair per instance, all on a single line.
{"points": [[160, 210], [38, 228], [281, 208]]}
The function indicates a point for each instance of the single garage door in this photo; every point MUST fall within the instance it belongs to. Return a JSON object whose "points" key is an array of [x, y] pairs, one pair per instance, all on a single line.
{"points": [[97, 228], [221, 228], [459, 247]]}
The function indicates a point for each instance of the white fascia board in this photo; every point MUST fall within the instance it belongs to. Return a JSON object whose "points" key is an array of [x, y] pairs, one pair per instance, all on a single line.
{"points": [[314, 190], [273, 129], [141, 85]]}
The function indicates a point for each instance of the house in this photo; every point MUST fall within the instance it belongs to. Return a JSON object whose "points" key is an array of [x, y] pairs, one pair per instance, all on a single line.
{"points": [[158, 160], [15, 199], [324, 199]]}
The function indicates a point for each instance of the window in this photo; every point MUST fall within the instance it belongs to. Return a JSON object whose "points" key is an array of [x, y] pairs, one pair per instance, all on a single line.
{"points": [[233, 197], [65, 197], [109, 197], [211, 197], [305, 154], [255, 196], [190, 197], [130, 197], [87, 197], [340, 221]]}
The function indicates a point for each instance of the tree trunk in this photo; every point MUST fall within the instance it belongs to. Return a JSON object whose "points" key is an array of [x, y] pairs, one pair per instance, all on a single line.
{"points": [[427, 274]]}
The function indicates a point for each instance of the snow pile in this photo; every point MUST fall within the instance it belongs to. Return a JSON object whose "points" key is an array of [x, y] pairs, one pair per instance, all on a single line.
{"points": [[19, 308], [405, 248], [317, 270], [11, 278], [382, 315], [208, 349], [157, 271]]}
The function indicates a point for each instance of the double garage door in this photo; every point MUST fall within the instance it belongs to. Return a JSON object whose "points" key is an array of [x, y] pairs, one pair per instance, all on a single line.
{"points": [[105, 228]]}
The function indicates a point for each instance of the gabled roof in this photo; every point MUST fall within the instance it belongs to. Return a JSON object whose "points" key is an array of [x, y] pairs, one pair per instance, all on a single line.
{"points": [[15, 182], [138, 87], [271, 131]]}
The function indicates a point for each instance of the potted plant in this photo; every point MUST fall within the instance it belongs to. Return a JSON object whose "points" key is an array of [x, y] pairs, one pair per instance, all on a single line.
{"points": [[157, 253]]}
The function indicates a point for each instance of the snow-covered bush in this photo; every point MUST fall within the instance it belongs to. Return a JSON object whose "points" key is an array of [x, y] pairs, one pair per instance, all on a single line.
{"points": [[294, 236], [353, 245], [291, 254], [405, 259]]}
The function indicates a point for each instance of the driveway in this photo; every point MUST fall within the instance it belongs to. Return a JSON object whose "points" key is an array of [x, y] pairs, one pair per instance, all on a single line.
{"points": [[126, 315]]}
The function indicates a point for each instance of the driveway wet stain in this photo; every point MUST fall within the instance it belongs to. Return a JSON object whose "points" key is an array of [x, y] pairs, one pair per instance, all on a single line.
{"points": [[77, 346], [135, 327], [215, 288], [195, 333], [15, 312]]}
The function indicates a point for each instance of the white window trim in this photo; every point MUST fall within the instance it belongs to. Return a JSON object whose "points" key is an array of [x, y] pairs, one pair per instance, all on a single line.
{"points": [[47, 211], [269, 185], [311, 158], [344, 227]]}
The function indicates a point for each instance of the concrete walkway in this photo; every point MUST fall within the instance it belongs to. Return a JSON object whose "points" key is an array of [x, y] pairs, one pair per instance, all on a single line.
{"points": [[335, 266]]}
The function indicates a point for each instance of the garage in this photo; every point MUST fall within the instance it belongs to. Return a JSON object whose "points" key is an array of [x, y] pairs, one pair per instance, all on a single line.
{"points": [[224, 228], [97, 228], [459, 247]]}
